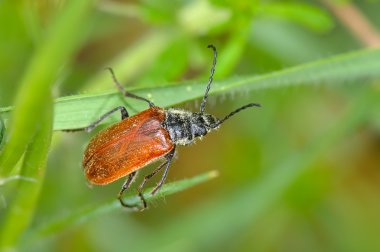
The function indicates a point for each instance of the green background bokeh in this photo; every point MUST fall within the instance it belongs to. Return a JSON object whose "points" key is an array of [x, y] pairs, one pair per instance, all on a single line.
{"points": [[302, 173]]}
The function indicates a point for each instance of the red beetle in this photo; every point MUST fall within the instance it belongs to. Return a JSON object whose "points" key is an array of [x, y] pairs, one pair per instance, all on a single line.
{"points": [[129, 145]]}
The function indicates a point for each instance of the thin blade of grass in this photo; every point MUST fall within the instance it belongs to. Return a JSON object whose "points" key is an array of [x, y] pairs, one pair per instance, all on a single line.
{"points": [[2, 130], [61, 41], [20, 211], [81, 110], [55, 225]]}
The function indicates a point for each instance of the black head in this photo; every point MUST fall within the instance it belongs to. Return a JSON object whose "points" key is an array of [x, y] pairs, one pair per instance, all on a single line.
{"points": [[201, 124]]}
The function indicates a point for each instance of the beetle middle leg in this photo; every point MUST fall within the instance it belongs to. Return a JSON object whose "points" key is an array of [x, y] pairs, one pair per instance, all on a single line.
{"points": [[169, 158], [146, 178], [125, 186]]}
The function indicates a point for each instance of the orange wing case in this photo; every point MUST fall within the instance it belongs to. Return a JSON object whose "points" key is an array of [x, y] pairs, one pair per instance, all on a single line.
{"points": [[126, 147]]}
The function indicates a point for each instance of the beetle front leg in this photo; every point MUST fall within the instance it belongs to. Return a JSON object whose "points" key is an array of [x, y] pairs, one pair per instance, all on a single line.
{"points": [[123, 111]]}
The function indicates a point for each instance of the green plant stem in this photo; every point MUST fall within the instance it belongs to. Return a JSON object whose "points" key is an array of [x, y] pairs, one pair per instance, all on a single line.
{"points": [[20, 211], [61, 41], [2, 130]]}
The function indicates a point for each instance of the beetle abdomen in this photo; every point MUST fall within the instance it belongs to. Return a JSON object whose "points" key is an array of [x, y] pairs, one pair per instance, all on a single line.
{"points": [[127, 146]]}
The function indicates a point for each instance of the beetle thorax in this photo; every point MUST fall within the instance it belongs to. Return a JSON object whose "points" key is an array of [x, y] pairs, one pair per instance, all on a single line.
{"points": [[185, 126]]}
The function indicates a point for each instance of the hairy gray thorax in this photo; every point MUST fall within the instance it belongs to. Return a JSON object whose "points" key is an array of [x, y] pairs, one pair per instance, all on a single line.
{"points": [[185, 126]]}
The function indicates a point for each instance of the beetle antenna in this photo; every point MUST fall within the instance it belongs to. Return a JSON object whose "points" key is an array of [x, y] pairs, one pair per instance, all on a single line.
{"points": [[235, 112], [212, 71], [124, 92]]}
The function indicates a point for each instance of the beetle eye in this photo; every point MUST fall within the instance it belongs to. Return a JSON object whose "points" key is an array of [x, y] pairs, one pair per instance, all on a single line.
{"points": [[210, 121]]}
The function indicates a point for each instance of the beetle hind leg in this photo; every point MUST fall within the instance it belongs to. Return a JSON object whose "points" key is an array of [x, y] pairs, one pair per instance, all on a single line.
{"points": [[125, 186], [146, 178], [166, 164]]}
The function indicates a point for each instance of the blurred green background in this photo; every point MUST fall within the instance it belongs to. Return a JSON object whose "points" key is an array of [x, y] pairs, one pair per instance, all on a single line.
{"points": [[302, 173]]}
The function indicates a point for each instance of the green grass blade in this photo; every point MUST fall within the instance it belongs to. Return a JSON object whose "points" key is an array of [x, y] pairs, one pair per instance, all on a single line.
{"points": [[2, 130], [63, 37], [81, 110], [56, 225], [20, 211]]}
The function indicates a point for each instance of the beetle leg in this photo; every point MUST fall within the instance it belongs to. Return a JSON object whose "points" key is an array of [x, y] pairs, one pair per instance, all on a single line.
{"points": [[126, 93], [125, 186], [124, 114], [169, 158], [146, 178], [123, 111]]}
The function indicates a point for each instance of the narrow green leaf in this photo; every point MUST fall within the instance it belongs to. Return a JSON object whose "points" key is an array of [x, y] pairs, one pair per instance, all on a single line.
{"points": [[20, 211], [61, 40], [233, 50], [58, 224], [81, 110], [2, 131]]}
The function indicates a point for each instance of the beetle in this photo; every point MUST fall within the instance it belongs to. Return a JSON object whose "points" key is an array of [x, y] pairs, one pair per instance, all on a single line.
{"points": [[136, 141]]}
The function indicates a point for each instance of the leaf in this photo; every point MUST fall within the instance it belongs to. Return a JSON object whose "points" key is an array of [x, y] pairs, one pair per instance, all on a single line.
{"points": [[2, 131], [58, 224], [62, 38], [20, 211], [81, 110]]}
